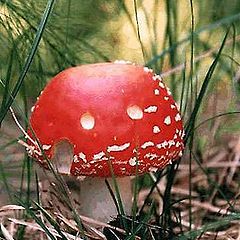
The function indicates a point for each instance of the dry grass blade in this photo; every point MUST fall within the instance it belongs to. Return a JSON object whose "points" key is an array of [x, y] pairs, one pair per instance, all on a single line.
{"points": [[6, 233], [11, 208], [87, 220], [96, 232], [235, 161], [207, 206], [35, 227], [92, 232], [205, 54]]}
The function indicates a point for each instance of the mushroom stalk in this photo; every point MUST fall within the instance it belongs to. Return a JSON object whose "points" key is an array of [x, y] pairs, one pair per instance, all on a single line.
{"points": [[93, 194], [96, 201]]}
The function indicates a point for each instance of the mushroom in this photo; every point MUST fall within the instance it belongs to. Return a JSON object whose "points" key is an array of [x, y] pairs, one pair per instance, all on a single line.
{"points": [[110, 114]]}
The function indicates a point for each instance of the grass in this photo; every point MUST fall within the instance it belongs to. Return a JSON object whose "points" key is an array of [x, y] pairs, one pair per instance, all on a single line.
{"points": [[196, 197]]}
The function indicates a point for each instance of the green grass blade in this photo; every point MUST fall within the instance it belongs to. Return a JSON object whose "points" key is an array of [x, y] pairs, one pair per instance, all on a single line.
{"points": [[118, 197], [171, 35], [7, 81], [190, 125], [5, 181], [213, 182], [154, 185], [138, 31], [140, 225], [215, 117], [191, 101], [135, 193], [113, 196], [29, 60], [210, 226], [51, 220], [122, 5], [224, 21], [38, 220]]}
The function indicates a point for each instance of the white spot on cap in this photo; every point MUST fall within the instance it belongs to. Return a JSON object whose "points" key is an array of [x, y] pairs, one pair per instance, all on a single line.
{"points": [[161, 85], [147, 70], [156, 77], [75, 159], [156, 92], [171, 143], [151, 156], [177, 106], [183, 134], [122, 62], [147, 144], [81, 178], [180, 132], [46, 147], [32, 108], [87, 121], [167, 120], [152, 169], [156, 129], [177, 117], [116, 148], [98, 155], [173, 106], [163, 144], [168, 91], [135, 112], [135, 150], [179, 144], [82, 156], [150, 109], [132, 161], [180, 154], [166, 98]]}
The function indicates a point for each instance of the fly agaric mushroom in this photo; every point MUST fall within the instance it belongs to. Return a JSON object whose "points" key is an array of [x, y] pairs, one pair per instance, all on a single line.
{"points": [[116, 114]]}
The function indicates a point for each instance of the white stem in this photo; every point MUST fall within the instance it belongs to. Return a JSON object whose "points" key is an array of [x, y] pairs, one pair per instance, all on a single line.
{"points": [[96, 201]]}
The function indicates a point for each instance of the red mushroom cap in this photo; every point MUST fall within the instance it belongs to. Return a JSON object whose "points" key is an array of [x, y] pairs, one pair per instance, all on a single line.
{"points": [[111, 113]]}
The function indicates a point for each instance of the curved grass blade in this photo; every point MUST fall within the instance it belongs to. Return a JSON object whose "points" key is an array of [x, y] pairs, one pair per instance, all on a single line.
{"points": [[190, 125], [207, 227], [138, 31], [6, 233], [215, 117], [191, 100], [37, 219], [216, 186], [224, 21], [118, 196], [7, 81], [29, 60], [125, 9], [51, 220]]}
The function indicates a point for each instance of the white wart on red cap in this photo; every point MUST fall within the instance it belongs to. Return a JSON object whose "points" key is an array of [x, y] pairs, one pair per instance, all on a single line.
{"points": [[116, 112]]}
